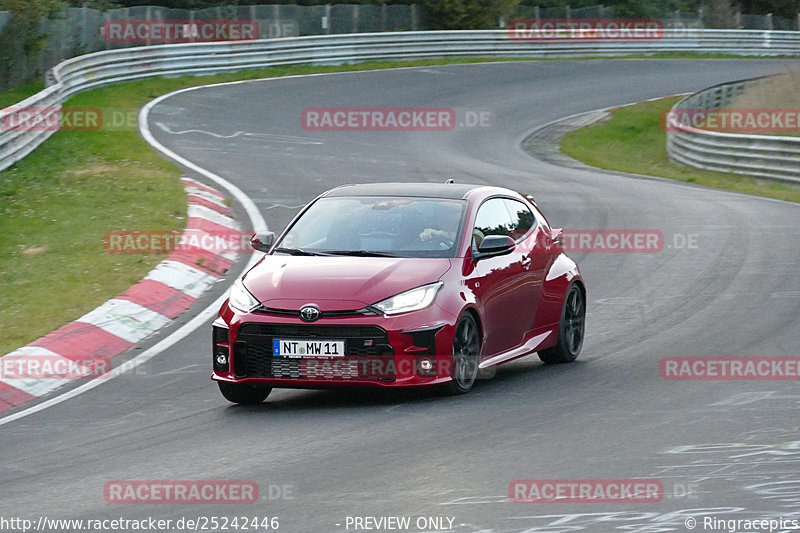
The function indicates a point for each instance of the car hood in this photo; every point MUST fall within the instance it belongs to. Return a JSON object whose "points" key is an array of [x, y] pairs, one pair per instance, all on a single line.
{"points": [[337, 283]]}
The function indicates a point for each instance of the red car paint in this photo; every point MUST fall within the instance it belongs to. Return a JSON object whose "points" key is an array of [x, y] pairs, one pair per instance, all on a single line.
{"points": [[516, 299]]}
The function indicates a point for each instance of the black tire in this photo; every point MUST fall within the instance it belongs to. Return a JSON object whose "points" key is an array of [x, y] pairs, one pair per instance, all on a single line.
{"points": [[466, 356], [570, 330], [242, 393]]}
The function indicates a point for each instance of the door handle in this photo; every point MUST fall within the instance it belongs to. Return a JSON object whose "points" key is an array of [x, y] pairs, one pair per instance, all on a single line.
{"points": [[526, 262]]}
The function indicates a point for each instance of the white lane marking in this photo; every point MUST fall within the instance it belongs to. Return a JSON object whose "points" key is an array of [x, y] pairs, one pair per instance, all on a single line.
{"points": [[289, 139], [259, 226], [165, 128], [126, 319], [786, 294], [275, 206], [180, 276]]}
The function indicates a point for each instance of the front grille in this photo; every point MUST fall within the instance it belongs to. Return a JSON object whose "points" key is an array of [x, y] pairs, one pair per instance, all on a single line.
{"points": [[367, 311], [368, 353]]}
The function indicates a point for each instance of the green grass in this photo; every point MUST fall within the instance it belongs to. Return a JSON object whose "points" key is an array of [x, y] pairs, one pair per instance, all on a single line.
{"points": [[55, 207], [18, 94], [633, 140]]}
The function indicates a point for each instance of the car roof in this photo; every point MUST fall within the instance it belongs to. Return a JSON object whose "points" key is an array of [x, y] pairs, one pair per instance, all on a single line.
{"points": [[455, 191]]}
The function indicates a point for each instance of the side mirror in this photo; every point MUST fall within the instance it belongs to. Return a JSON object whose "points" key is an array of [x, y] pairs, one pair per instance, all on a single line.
{"points": [[262, 242], [493, 245], [557, 235]]}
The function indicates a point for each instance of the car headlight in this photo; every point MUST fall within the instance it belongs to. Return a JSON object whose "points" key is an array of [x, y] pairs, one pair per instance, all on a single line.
{"points": [[412, 300], [241, 299]]}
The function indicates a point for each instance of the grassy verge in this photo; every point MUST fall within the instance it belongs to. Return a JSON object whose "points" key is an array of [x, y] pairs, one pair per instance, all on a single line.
{"points": [[633, 140], [18, 94], [55, 207]]}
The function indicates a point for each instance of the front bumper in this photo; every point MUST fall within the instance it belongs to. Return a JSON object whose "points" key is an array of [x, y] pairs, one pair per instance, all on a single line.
{"points": [[405, 350]]}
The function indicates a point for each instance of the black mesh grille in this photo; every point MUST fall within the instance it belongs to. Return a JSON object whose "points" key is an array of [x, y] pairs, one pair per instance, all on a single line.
{"points": [[368, 354]]}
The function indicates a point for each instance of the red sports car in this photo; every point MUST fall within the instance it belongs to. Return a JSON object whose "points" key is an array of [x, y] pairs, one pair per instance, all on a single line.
{"points": [[399, 284]]}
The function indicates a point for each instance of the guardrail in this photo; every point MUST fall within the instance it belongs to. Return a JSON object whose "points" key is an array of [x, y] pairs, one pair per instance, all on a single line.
{"points": [[102, 68], [766, 156]]}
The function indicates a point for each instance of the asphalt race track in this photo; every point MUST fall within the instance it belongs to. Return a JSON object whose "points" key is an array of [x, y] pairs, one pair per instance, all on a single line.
{"points": [[725, 284]]}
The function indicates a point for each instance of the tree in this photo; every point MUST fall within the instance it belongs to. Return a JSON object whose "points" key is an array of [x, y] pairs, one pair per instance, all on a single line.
{"points": [[21, 39], [467, 14], [720, 14], [780, 8]]}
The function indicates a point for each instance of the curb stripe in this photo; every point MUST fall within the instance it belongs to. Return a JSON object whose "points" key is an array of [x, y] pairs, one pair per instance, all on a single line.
{"points": [[214, 264], [202, 212], [172, 287], [12, 397], [197, 192], [159, 297], [125, 319], [209, 226], [199, 200], [182, 277], [202, 186], [79, 340]]}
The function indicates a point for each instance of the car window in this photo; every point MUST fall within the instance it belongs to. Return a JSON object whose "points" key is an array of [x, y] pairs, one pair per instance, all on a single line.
{"points": [[396, 226], [492, 219], [522, 218]]}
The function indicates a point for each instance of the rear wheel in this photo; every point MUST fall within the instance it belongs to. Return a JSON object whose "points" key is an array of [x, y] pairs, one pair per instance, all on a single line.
{"points": [[570, 329], [242, 393], [466, 355]]}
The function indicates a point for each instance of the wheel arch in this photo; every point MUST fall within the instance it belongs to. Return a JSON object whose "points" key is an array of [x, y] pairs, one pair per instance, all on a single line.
{"points": [[477, 318]]}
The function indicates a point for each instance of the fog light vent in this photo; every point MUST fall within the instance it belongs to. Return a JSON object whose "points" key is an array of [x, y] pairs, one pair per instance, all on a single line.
{"points": [[426, 367]]}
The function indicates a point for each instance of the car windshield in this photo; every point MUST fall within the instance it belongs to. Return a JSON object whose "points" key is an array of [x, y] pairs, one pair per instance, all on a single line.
{"points": [[376, 226]]}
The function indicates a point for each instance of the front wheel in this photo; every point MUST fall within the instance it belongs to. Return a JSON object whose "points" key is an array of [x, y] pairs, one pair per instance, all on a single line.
{"points": [[570, 329], [243, 393], [466, 356]]}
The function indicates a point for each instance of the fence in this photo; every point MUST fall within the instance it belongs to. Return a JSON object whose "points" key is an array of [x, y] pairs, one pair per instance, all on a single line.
{"points": [[766, 156], [79, 31], [102, 68]]}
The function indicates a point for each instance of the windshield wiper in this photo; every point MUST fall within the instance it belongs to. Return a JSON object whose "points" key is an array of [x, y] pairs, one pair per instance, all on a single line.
{"points": [[298, 251], [360, 253]]}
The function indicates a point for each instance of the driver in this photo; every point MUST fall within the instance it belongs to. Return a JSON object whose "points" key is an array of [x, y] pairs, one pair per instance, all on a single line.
{"points": [[445, 227]]}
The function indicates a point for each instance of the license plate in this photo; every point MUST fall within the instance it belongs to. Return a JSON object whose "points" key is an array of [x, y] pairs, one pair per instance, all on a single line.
{"points": [[297, 348]]}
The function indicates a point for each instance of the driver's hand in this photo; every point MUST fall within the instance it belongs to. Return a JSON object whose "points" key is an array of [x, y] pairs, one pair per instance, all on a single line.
{"points": [[428, 234]]}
